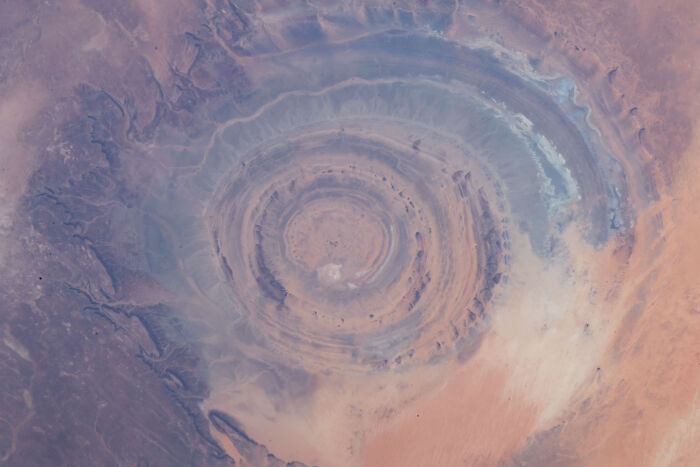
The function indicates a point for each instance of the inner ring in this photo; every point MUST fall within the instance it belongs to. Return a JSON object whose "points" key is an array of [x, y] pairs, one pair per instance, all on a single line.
{"points": [[338, 240]]}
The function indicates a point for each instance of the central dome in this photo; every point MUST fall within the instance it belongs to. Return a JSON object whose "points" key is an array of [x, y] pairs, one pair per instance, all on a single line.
{"points": [[339, 240]]}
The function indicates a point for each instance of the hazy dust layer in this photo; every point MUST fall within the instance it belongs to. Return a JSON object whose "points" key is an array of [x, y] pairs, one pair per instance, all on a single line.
{"points": [[349, 234]]}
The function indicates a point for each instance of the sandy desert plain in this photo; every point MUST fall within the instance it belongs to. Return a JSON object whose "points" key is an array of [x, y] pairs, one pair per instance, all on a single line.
{"points": [[350, 233]]}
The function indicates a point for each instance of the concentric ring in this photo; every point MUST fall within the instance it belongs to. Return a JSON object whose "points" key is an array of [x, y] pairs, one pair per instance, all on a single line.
{"points": [[353, 250], [361, 213]]}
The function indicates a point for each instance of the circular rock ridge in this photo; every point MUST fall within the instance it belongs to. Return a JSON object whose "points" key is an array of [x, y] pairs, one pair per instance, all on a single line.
{"points": [[361, 213], [351, 250]]}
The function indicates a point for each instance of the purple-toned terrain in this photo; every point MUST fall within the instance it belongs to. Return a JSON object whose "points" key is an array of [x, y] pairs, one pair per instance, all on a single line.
{"points": [[348, 233]]}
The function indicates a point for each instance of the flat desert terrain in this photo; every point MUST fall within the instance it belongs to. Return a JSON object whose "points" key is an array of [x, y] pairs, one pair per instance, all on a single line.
{"points": [[350, 233]]}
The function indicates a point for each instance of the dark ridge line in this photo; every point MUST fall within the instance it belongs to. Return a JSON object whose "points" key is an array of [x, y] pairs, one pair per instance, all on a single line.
{"points": [[267, 281]]}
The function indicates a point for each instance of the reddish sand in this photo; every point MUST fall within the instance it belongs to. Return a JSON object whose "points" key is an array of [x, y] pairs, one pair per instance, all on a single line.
{"points": [[592, 363], [471, 419], [639, 405]]}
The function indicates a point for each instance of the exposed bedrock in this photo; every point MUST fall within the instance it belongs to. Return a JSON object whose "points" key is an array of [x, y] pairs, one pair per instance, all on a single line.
{"points": [[335, 243], [333, 207], [360, 218]]}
